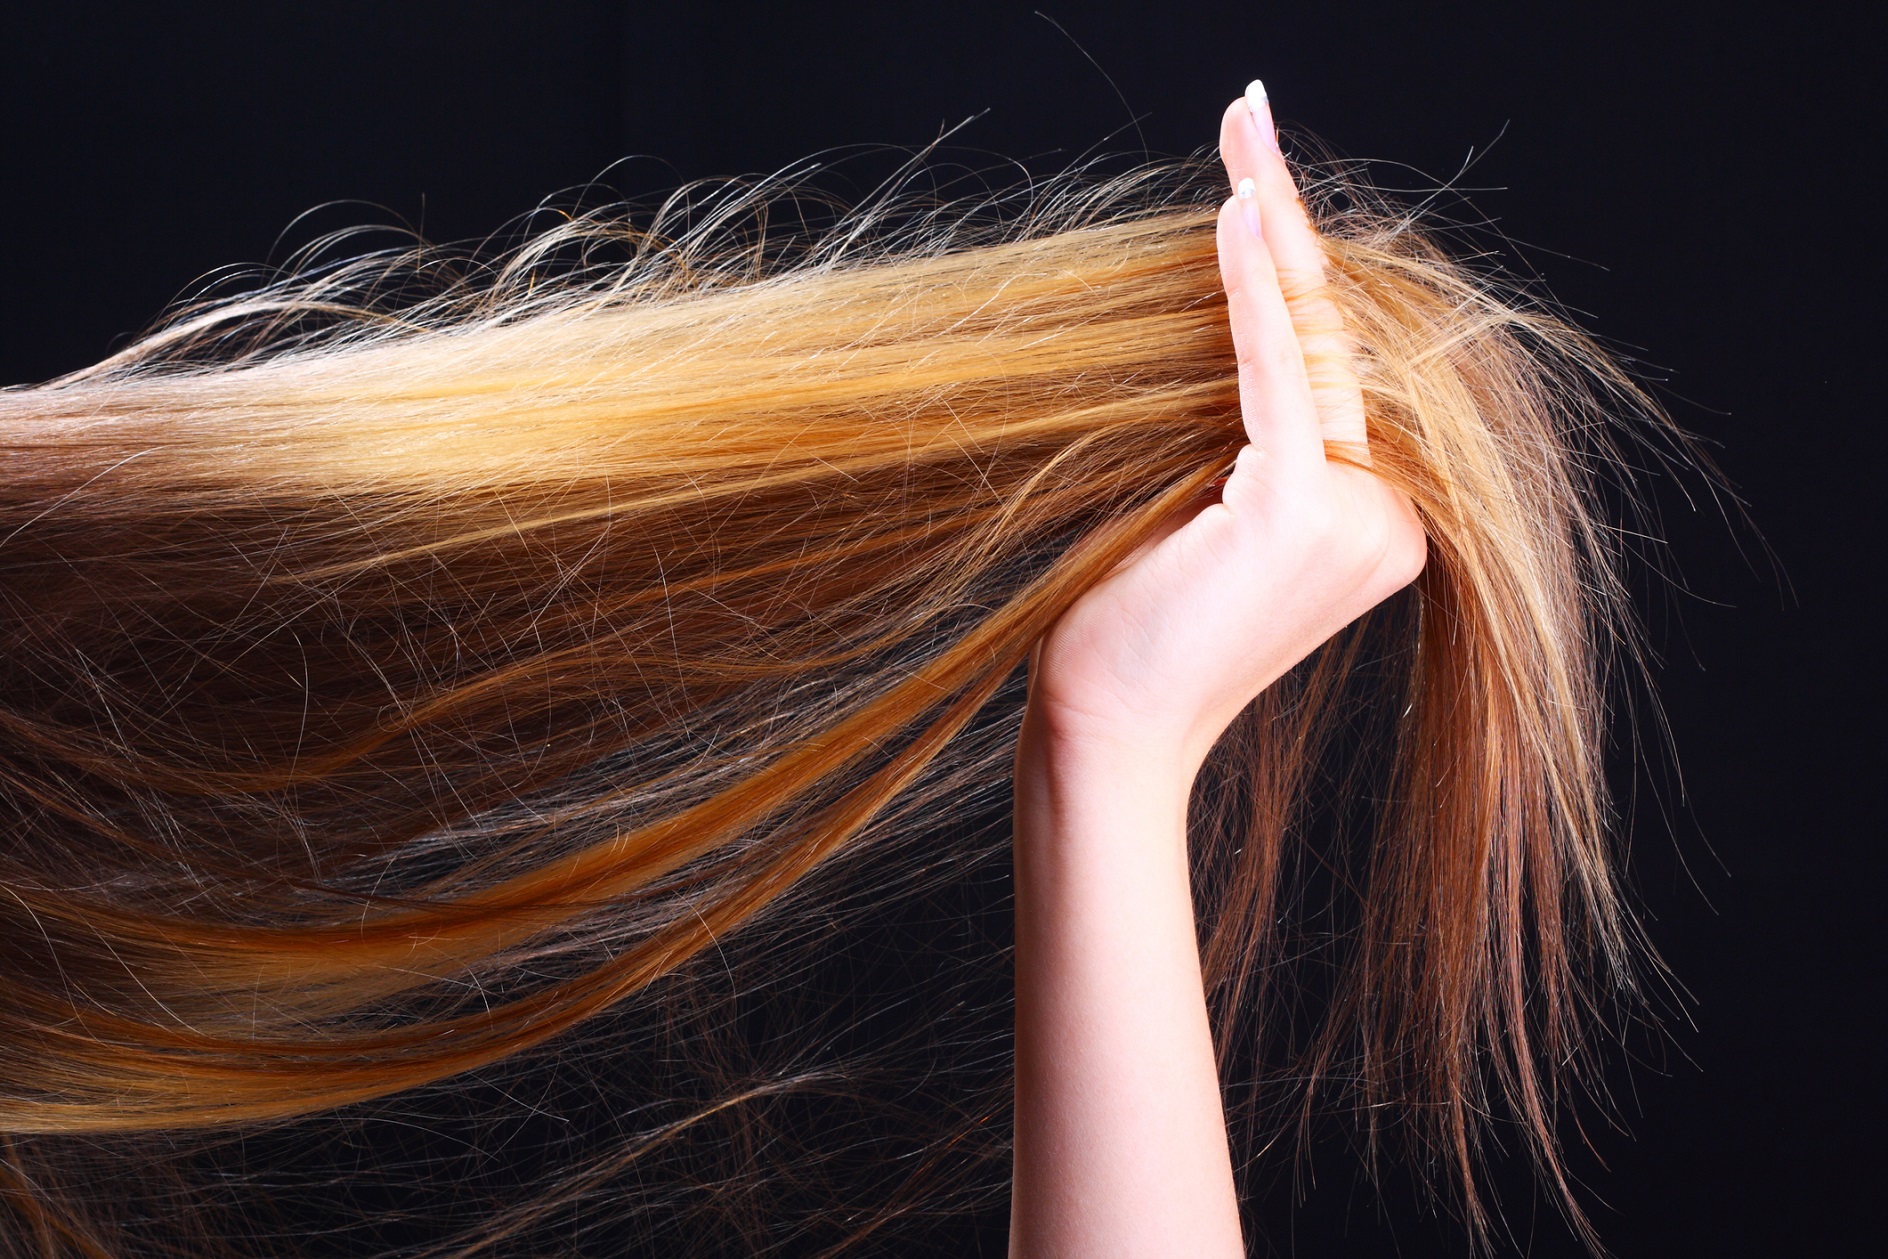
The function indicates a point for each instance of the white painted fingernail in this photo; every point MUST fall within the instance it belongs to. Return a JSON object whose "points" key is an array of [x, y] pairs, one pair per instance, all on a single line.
{"points": [[1256, 105], [1249, 205]]}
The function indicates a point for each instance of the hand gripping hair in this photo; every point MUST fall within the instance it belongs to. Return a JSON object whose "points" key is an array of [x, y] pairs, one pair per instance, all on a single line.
{"points": [[394, 682]]}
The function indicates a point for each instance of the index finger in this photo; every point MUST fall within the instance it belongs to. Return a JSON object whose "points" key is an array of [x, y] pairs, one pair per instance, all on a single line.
{"points": [[1249, 147], [1274, 390]]}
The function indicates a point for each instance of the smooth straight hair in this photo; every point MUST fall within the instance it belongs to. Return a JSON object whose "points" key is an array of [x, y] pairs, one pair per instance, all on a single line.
{"points": [[391, 682]]}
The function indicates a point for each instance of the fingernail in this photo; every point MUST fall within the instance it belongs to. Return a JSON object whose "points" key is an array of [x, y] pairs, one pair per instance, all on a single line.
{"points": [[1249, 205], [1258, 104]]}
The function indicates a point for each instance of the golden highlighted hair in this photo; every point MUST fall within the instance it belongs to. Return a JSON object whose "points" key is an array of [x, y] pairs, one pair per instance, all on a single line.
{"points": [[393, 684]]}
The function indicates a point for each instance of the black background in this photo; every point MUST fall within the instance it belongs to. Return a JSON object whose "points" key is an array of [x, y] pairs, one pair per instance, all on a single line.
{"points": [[1701, 184]]}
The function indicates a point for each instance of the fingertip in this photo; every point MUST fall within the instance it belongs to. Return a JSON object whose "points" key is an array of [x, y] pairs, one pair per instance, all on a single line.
{"points": [[1238, 232], [1228, 215], [1248, 146], [1234, 123], [1259, 115], [1235, 141]]}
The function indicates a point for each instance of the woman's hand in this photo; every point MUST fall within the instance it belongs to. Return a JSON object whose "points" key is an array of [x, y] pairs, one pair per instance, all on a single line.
{"points": [[1157, 660], [1120, 1136]]}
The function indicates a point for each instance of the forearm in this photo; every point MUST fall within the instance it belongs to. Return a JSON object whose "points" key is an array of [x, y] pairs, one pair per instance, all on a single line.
{"points": [[1120, 1135]]}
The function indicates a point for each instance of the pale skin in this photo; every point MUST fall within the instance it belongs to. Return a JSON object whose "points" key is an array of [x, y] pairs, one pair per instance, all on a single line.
{"points": [[1120, 1133]]}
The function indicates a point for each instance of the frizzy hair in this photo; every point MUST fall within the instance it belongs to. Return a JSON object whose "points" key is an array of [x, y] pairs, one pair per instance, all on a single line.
{"points": [[393, 683]]}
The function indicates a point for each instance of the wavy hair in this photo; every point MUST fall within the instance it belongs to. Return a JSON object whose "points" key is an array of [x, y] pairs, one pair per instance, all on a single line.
{"points": [[392, 682]]}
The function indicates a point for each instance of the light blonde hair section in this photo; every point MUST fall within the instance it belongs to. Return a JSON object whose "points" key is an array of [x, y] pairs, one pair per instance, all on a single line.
{"points": [[390, 688]]}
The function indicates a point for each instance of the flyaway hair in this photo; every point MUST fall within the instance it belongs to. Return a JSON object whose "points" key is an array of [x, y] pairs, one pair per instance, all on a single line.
{"points": [[391, 684]]}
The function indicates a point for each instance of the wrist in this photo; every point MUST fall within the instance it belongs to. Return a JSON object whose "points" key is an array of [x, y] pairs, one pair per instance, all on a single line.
{"points": [[1059, 739], [1063, 765]]}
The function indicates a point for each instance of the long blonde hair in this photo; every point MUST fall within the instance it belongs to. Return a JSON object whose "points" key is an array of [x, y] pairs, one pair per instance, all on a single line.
{"points": [[393, 684]]}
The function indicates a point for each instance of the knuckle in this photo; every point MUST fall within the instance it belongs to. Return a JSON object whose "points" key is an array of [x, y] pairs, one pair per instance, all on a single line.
{"points": [[1279, 351], [1267, 354], [1319, 523], [1406, 553]]}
